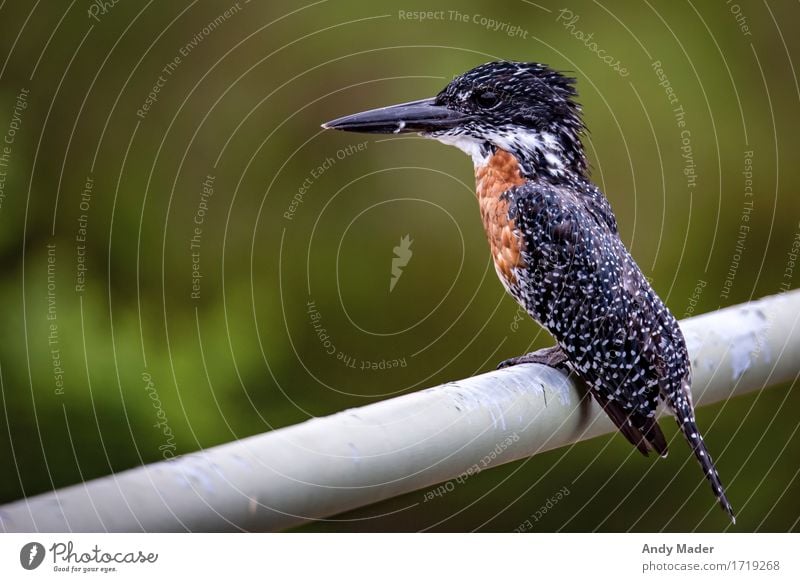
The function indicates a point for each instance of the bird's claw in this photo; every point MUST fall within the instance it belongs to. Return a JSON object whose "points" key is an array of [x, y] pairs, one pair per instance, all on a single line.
{"points": [[553, 357]]}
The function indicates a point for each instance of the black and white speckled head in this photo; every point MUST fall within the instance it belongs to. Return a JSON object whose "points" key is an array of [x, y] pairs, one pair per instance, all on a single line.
{"points": [[526, 109]]}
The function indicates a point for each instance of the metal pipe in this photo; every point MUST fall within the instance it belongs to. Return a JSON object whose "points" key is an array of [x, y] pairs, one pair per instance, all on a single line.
{"points": [[329, 465]]}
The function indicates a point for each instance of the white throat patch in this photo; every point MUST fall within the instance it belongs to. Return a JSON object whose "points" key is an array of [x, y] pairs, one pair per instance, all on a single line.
{"points": [[467, 144], [529, 144]]}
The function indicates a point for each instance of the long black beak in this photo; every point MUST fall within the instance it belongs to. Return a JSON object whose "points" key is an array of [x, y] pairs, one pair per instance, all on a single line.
{"points": [[417, 116]]}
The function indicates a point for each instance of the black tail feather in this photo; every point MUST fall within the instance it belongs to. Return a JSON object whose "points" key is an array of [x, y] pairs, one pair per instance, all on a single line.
{"points": [[688, 426], [652, 432], [642, 432]]}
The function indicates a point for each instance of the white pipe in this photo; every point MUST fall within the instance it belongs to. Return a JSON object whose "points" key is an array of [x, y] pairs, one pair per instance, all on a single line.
{"points": [[328, 465]]}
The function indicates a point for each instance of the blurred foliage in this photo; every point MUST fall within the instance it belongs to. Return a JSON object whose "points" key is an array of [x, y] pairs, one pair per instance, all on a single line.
{"points": [[244, 103]]}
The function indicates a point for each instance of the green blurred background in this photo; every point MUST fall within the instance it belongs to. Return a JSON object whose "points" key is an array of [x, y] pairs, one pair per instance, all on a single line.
{"points": [[150, 371]]}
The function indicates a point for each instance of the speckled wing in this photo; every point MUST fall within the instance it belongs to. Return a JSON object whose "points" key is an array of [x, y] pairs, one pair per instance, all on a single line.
{"points": [[581, 283]]}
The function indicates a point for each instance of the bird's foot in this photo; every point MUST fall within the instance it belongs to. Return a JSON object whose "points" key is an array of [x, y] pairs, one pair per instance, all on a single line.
{"points": [[553, 356]]}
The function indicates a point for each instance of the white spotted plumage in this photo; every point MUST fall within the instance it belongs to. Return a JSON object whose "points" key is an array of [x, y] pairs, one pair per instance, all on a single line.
{"points": [[577, 279]]}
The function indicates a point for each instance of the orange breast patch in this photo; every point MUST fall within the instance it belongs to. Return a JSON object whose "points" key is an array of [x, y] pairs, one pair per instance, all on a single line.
{"points": [[498, 175]]}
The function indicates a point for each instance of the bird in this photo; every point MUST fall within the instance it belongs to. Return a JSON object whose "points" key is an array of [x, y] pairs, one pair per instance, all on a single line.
{"points": [[555, 245]]}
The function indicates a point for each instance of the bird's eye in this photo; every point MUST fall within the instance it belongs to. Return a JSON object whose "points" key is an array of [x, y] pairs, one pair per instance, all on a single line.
{"points": [[487, 99]]}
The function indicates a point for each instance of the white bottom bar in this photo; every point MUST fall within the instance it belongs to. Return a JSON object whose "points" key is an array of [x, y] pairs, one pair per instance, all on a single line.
{"points": [[401, 557]]}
